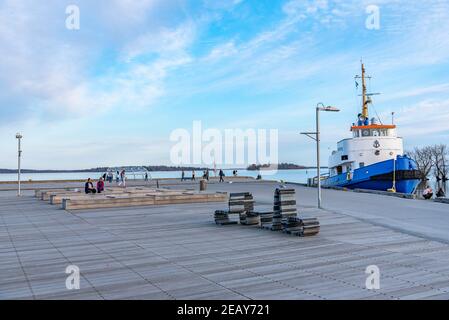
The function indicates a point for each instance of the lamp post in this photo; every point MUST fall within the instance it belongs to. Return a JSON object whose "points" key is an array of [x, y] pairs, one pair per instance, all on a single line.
{"points": [[19, 155], [316, 136]]}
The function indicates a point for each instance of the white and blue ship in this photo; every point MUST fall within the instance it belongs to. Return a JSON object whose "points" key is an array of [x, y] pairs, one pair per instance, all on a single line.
{"points": [[373, 158]]}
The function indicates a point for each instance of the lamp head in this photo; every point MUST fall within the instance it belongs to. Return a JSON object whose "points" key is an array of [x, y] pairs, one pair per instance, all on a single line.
{"points": [[330, 109], [18, 136]]}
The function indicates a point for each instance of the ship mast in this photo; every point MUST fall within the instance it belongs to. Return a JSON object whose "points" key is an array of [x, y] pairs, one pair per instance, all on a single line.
{"points": [[364, 99], [365, 96]]}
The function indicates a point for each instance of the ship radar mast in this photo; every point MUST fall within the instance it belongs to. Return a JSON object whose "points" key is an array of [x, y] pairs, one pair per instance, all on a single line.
{"points": [[366, 97]]}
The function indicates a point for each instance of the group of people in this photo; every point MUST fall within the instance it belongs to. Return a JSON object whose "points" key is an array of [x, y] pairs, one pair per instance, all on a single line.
{"points": [[90, 189], [206, 175], [120, 178], [428, 193], [183, 176]]}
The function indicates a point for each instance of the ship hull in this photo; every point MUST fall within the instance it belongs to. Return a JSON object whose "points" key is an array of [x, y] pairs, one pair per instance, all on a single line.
{"points": [[379, 176]]}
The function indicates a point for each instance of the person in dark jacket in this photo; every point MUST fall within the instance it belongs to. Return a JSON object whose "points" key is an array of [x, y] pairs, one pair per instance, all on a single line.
{"points": [[89, 187], [100, 185], [221, 174], [440, 193], [428, 193]]}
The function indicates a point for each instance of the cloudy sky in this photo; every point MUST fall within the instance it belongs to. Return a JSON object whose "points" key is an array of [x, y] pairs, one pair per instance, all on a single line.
{"points": [[111, 92]]}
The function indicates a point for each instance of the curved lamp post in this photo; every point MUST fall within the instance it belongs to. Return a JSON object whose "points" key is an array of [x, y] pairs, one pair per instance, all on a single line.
{"points": [[316, 136], [19, 155]]}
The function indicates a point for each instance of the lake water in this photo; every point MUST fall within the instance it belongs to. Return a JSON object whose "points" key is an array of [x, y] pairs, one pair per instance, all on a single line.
{"points": [[299, 176]]}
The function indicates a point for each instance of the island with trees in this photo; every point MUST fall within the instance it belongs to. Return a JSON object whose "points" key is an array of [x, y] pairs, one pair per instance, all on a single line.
{"points": [[280, 166]]}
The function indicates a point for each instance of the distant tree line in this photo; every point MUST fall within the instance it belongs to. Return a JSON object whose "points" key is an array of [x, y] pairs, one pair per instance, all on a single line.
{"points": [[280, 166], [105, 169], [172, 168], [432, 161]]}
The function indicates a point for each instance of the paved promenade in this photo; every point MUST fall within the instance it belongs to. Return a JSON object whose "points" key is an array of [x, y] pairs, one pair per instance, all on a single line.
{"points": [[177, 252]]}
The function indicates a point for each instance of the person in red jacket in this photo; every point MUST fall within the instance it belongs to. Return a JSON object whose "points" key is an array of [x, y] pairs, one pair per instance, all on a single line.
{"points": [[100, 185]]}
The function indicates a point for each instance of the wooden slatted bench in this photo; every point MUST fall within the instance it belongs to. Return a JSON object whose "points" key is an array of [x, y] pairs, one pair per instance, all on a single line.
{"points": [[45, 196], [38, 192], [56, 199], [131, 200]]}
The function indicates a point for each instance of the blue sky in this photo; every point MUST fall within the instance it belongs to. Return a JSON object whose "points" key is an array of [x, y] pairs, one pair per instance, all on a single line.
{"points": [[112, 92]]}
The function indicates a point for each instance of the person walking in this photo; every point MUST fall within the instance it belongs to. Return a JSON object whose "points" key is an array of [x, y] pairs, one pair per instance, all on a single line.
{"points": [[207, 174], [193, 175], [221, 174], [146, 176], [109, 176], [183, 175], [117, 177], [122, 178]]}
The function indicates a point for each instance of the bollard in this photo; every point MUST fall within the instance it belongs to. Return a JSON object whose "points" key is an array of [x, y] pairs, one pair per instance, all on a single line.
{"points": [[203, 185]]}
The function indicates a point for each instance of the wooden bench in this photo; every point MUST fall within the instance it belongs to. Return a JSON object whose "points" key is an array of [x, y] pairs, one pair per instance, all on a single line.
{"points": [[45, 196], [57, 198], [38, 192], [149, 199]]}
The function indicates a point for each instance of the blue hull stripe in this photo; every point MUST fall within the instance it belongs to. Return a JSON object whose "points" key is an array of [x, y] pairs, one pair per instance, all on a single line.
{"points": [[362, 177]]}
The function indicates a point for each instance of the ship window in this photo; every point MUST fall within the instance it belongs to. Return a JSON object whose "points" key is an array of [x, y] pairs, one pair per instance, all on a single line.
{"points": [[361, 164], [344, 157], [339, 170]]}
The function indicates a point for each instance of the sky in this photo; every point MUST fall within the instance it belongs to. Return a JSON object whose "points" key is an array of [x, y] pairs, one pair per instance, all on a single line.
{"points": [[111, 92]]}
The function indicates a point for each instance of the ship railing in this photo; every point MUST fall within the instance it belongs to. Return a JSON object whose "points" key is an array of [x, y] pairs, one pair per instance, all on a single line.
{"points": [[313, 182]]}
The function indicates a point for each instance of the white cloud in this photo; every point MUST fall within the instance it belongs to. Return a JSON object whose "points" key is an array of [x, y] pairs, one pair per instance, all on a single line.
{"points": [[420, 91], [128, 13], [47, 70], [423, 119], [222, 51], [163, 42]]}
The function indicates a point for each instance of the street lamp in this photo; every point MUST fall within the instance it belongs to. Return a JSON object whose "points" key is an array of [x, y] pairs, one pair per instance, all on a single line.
{"points": [[19, 138], [316, 136]]}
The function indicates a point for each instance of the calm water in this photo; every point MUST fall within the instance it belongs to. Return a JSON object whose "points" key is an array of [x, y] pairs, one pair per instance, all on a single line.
{"points": [[299, 176]]}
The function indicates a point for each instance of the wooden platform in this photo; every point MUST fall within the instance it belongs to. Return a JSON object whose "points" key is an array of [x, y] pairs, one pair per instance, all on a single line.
{"points": [[57, 197], [178, 252], [147, 199], [74, 199]]}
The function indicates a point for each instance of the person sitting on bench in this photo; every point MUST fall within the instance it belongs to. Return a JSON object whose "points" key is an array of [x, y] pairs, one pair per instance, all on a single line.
{"points": [[89, 187], [100, 186], [440, 193], [428, 193]]}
